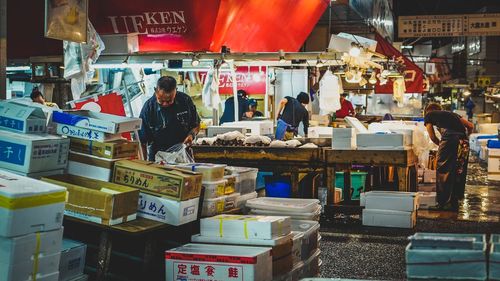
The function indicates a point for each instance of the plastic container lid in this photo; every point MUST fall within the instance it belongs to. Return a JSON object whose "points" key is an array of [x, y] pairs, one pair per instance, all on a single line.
{"points": [[296, 216], [288, 205], [240, 170], [15, 186], [305, 226]]}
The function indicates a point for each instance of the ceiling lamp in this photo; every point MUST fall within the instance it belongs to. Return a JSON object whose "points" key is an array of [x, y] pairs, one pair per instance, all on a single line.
{"points": [[319, 63], [363, 82], [195, 61], [355, 50], [382, 80], [373, 78], [282, 56]]}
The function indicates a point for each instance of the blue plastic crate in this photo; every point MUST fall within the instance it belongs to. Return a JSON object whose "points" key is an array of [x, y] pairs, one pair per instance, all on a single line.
{"points": [[487, 137], [449, 264], [495, 257], [278, 186], [493, 143], [358, 180]]}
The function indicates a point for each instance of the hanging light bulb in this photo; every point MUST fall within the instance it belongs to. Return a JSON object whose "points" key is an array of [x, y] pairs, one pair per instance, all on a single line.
{"points": [[349, 74], [385, 73], [282, 56], [466, 93], [363, 82], [319, 63], [355, 50], [382, 80], [373, 78], [195, 61]]}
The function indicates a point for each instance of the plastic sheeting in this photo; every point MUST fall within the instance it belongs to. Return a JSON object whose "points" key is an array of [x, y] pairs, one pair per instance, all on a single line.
{"points": [[330, 88]]}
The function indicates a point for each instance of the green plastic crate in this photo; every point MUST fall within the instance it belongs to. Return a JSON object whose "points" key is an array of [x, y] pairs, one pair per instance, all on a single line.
{"points": [[358, 180], [495, 257]]}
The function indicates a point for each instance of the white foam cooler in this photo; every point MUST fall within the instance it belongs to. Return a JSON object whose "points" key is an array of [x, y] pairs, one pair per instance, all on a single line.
{"points": [[247, 227], [391, 200], [426, 200], [493, 164], [389, 218], [28, 205], [384, 141], [213, 262]]}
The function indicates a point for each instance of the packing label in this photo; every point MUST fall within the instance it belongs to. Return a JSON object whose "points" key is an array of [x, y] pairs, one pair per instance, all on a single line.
{"points": [[80, 133], [161, 184], [12, 153], [207, 272]]}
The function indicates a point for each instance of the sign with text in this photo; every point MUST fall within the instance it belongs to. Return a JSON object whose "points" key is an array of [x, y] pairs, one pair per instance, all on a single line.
{"points": [[449, 25], [251, 79]]}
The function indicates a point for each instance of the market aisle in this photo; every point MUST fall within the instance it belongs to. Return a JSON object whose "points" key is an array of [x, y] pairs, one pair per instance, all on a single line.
{"points": [[349, 250]]}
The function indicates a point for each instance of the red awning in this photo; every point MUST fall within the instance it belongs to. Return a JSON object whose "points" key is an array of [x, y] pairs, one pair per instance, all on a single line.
{"points": [[414, 76]]}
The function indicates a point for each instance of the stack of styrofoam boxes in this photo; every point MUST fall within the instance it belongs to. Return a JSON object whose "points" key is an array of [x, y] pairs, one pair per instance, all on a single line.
{"points": [[197, 262], [494, 268], [31, 229], [218, 197], [245, 183], [493, 160], [297, 209], [343, 138], [446, 256], [169, 195], [72, 261], [26, 148], [390, 209], [260, 231], [96, 141]]}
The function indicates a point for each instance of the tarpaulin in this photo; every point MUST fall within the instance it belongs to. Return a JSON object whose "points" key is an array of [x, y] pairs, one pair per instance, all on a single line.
{"points": [[414, 76]]}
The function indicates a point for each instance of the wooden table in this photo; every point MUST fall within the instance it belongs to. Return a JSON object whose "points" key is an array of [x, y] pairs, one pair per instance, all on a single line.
{"points": [[139, 229], [405, 162], [273, 159]]}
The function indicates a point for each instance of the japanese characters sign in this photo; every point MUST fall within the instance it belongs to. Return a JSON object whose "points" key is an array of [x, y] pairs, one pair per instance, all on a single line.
{"points": [[12, 153], [207, 272], [82, 133], [449, 25]]}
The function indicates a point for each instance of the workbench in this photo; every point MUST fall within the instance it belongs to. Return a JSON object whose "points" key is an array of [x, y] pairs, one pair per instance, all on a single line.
{"points": [[272, 159], [404, 161]]}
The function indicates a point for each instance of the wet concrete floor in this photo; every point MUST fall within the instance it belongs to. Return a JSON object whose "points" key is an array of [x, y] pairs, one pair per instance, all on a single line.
{"points": [[350, 250]]}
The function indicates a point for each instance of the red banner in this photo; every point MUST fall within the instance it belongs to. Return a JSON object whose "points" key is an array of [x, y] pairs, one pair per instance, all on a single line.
{"points": [[250, 79], [414, 76]]}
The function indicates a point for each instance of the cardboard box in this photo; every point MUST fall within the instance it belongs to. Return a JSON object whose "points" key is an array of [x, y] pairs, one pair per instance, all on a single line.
{"points": [[27, 153], [210, 172], [96, 121], [21, 118], [389, 218], [392, 200], [19, 249], [97, 201], [29, 205], [38, 175], [72, 261], [166, 210], [247, 227], [91, 166], [173, 183], [111, 150], [491, 128], [322, 120], [493, 164], [47, 269], [86, 134], [429, 176], [212, 262], [383, 141]]}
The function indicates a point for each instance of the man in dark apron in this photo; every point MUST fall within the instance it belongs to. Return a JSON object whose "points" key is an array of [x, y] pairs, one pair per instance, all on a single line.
{"points": [[291, 112], [452, 154], [168, 118]]}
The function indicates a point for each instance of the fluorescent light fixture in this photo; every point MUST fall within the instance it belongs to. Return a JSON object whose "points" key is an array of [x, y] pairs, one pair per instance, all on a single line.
{"points": [[18, 68]]}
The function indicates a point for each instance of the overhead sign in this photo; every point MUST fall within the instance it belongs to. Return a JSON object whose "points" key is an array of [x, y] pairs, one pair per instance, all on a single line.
{"points": [[449, 25], [251, 79]]}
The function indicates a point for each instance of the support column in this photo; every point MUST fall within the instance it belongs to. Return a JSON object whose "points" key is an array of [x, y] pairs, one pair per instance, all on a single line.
{"points": [[3, 49]]}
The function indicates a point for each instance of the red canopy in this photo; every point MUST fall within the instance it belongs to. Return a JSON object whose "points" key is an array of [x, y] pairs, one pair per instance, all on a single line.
{"points": [[414, 76]]}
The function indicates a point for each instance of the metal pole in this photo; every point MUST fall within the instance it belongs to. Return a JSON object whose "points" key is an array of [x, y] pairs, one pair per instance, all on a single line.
{"points": [[3, 49], [129, 105], [235, 94]]}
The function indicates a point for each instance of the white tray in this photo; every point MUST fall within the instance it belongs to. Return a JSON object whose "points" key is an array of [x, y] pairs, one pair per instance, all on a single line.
{"points": [[287, 205]]}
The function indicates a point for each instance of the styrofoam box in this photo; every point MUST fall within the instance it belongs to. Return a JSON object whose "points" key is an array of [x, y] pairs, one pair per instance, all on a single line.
{"points": [[89, 171], [246, 178], [474, 140], [213, 131], [426, 200], [356, 124], [242, 200], [214, 189], [448, 264], [313, 216], [247, 227], [383, 141], [20, 249], [17, 220], [167, 211], [28, 153], [254, 127], [102, 122], [491, 128], [320, 132], [198, 238], [494, 164], [86, 134], [48, 269], [389, 218], [248, 263], [72, 261], [392, 200], [210, 172], [288, 205], [483, 154]]}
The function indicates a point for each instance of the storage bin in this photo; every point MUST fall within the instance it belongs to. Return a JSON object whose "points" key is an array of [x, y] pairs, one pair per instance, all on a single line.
{"points": [[310, 232], [288, 205], [358, 180], [278, 187], [313, 216], [230, 184], [216, 206], [210, 172], [447, 263], [298, 236], [214, 189], [242, 200], [495, 257], [311, 266], [246, 178]]}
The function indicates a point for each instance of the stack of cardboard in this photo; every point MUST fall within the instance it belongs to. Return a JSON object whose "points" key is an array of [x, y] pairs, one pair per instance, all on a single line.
{"points": [[260, 231], [199, 262], [96, 141], [31, 229], [390, 209], [167, 194], [343, 138], [26, 148], [97, 201], [72, 261]]}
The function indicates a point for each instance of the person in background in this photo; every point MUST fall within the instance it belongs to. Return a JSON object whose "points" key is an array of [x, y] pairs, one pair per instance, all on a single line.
{"points": [[168, 118], [37, 97], [346, 108], [291, 112], [252, 110], [453, 153], [469, 106], [228, 114]]}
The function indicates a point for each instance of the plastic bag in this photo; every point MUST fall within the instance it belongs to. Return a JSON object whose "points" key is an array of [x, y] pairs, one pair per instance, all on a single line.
{"points": [[263, 140], [277, 143], [293, 143], [177, 154]]}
